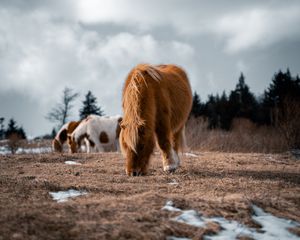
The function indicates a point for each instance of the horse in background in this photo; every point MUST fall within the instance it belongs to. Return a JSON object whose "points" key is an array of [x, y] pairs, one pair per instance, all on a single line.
{"points": [[100, 133], [62, 135], [156, 103]]}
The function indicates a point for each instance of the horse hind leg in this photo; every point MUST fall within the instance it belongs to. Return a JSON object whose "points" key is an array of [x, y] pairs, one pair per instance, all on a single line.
{"points": [[171, 159]]}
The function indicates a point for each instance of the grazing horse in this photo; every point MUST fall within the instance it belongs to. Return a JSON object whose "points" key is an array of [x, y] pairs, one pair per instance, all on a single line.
{"points": [[156, 103], [100, 134], [61, 136]]}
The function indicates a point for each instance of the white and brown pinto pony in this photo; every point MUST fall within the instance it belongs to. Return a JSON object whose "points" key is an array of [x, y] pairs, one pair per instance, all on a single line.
{"points": [[62, 135], [100, 133], [156, 102]]}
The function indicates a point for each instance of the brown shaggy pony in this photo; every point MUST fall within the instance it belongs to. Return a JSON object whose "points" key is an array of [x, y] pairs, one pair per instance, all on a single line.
{"points": [[157, 101]]}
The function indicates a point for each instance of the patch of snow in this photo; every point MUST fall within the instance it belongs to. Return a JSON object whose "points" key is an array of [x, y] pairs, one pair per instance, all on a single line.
{"points": [[190, 217], [169, 207], [34, 150], [173, 182], [5, 151], [62, 196], [230, 229], [72, 163], [190, 155], [177, 238], [273, 228], [296, 152]]}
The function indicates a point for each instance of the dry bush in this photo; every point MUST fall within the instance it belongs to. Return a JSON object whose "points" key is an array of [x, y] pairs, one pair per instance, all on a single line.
{"points": [[14, 142], [244, 136], [289, 123]]}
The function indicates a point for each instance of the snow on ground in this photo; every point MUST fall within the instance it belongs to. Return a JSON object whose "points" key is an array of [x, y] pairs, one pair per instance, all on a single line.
{"points": [[169, 207], [34, 150], [273, 228], [5, 151], [173, 182], [296, 153], [62, 196], [190, 155], [177, 238], [72, 163]]}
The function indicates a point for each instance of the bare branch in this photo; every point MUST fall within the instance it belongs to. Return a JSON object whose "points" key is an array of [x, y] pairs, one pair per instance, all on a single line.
{"points": [[60, 113]]}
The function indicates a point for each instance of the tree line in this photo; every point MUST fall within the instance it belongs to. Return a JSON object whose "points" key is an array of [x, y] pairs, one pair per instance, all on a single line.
{"points": [[278, 106], [11, 130], [59, 114], [267, 109]]}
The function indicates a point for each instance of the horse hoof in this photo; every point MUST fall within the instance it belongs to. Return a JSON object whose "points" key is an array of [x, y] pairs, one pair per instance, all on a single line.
{"points": [[135, 174], [170, 168]]}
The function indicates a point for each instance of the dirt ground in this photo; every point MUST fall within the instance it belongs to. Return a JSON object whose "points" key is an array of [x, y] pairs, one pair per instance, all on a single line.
{"points": [[122, 207]]}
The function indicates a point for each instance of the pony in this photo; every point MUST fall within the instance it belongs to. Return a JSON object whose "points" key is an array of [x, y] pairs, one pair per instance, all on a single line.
{"points": [[61, 136], [156, 102], [100, 134]]}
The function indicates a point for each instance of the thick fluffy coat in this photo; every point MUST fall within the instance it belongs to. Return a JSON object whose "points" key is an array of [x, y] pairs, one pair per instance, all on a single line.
{"points": [[156, 102], [100, 134]]}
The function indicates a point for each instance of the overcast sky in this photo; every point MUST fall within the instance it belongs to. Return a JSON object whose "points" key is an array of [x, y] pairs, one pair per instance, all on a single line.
{"points": [[92, 45]]}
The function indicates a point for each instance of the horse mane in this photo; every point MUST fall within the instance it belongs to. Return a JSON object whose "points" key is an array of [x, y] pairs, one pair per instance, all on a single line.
{"points": [[132, 119]]}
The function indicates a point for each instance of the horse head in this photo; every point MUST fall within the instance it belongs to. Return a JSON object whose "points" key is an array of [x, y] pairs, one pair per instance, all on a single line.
{"points": [[72, 143]]}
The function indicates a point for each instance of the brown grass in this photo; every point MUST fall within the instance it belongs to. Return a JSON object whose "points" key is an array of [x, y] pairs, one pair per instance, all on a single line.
{"points": [[245, 136], [121, 207]]}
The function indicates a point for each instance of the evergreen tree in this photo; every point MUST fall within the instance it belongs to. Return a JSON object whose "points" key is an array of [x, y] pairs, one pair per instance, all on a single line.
{"points": [[22, 133], [211, 112], [223, 109], [90, 106], [197, 107], [2, 131], [282, 88], [242, 101], [53, 133], [12, 128]]}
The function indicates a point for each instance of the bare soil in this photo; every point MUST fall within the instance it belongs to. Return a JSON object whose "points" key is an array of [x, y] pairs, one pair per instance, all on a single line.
{"points": [[122, 207]]}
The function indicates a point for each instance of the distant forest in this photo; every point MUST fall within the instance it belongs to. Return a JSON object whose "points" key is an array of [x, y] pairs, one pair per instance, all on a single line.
{"points": [[279, 102], [279, 105]]}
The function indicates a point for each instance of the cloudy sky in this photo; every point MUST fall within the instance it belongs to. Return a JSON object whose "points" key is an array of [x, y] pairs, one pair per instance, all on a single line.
{"points": [[92, 45]]}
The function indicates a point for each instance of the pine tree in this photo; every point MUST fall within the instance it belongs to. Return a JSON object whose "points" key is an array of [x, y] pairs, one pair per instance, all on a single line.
{"points": [[21, 133], [283, 88], [2, 131], [243, 101], [13, 129], [90, 106], [197, 107], [53, 133]]}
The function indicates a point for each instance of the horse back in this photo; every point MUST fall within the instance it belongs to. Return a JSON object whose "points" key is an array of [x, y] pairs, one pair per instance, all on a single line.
{"points": [[176, 91]]}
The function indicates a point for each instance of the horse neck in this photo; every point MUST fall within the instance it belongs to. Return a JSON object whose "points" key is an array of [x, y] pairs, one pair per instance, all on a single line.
{"points": [[80, 130], [64, 127]]}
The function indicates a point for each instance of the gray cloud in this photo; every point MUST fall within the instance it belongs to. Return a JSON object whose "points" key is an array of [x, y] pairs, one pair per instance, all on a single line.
{"points": [[92, 45]]}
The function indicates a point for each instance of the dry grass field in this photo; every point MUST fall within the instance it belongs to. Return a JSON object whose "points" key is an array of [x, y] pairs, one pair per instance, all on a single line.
{"points": [[121, 207]]}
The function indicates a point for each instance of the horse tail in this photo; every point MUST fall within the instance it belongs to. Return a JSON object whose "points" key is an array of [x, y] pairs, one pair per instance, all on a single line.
{"points": [[137, 84]]}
